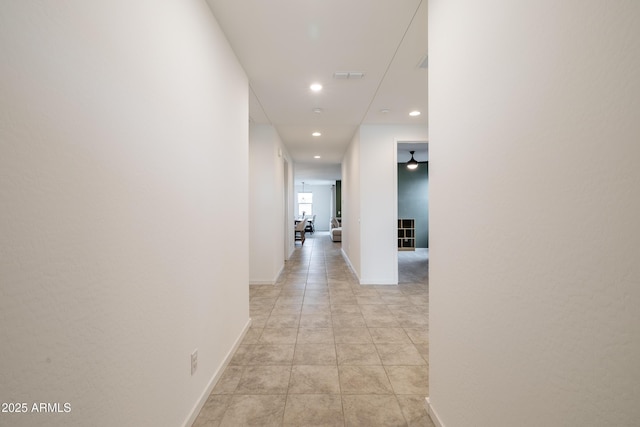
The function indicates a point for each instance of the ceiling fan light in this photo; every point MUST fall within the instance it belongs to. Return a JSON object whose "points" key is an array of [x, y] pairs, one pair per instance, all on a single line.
{"points": [[413, 163]]}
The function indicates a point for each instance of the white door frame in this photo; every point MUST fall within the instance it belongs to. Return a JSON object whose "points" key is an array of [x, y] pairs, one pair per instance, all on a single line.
{"points": [[395, 192]]}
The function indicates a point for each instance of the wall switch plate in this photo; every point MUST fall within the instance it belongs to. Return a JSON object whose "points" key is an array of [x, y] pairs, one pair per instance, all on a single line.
{"points": [[194, 361]]}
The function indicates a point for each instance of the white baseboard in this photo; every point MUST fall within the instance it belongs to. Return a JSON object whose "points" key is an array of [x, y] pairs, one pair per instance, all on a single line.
{"points": [[348, 261], [212, 383], [261, 282], [432, 414], [275, 280], [364, 282], [268, 282]]}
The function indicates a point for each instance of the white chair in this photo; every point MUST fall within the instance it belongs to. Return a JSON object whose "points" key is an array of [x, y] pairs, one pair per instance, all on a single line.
{"points": [[311, 224], [299, 231]]}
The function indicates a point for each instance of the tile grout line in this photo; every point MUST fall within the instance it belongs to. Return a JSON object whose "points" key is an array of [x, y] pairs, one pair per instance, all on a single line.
{"points": [[335, 345], [319, 254]]}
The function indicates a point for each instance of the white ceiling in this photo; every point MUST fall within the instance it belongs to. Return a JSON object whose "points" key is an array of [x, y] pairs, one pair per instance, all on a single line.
{"points": [[420, 151], [285, 45]]}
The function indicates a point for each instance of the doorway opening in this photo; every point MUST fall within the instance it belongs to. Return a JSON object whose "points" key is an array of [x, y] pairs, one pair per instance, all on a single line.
{"points": [[413, 211], [286, 210]]}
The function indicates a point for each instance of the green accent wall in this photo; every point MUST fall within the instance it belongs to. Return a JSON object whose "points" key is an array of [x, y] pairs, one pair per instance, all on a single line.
{"points": [[338, 212], [413, 199]]}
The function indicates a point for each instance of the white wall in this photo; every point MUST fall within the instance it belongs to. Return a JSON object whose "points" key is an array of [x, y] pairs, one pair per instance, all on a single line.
{"points": [[534, 279], [322, 199], [370, 178], [267, 155], [378, 203], [117, 120], [350, 203]]}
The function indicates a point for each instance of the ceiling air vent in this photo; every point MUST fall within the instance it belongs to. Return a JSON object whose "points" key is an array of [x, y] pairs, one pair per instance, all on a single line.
{"points": [[353, 75]]}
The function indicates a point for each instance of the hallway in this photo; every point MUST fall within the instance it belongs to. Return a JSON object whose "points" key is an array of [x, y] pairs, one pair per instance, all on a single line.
{"points": [[323, 350]]}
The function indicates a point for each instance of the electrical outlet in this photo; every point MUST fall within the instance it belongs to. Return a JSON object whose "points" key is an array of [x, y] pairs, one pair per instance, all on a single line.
{"points": [[194, 361]]}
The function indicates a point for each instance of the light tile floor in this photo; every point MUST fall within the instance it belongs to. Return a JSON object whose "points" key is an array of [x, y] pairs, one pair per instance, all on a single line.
{"points": [[325, 351]]}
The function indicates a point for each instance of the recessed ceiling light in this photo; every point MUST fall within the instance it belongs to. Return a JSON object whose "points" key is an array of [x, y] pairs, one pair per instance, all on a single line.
{"points": [[316, 134], [316, 87], [414, 113], [316, 157]]}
